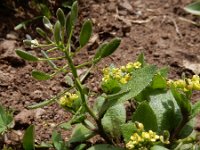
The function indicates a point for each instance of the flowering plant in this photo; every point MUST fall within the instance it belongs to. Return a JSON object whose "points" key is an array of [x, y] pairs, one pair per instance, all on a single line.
{"points": [[161, 113]]}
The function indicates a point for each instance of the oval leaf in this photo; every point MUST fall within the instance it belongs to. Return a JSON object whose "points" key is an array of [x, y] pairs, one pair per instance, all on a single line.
{"points": [[145, 115], [69, 80], [26, 56], [111, 47], [74, 13], [41, 32], [193, 8], [28, 138], [47, 23], [113, 119], [61, 17], [57, 35], [86, 33], [98, 54], [104, 147], [40, 75]]}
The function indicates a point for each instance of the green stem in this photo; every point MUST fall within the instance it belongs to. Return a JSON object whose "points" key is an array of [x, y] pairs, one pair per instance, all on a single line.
{"points": [[55, 58], [49, 50]]}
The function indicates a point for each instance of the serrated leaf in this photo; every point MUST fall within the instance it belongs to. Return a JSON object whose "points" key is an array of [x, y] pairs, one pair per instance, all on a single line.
{"points": [[26, 56], [195, 109], [114, 117], [47, 23], [74, 13], [104, 147], [193, 8], [58, 143], [41, 32], [28, 138], [166, 110], [127, 130], [69, 80], [145, 115], [56, 34], [40, 75], [81, 134], [61, 17], [6, 120], [86, 33], [158, 147]]}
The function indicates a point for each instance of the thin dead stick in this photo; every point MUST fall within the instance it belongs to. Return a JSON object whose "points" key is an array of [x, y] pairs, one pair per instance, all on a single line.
{"points": [[188, 21], [176, 26]]}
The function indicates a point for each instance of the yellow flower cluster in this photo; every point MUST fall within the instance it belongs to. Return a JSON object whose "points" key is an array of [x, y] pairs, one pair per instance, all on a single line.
{"points": [[122, 74], [68, 99], [142, 140], [187, 84]]}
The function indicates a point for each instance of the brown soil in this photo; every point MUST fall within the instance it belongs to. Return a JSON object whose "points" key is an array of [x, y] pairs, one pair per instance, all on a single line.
{"points": [[160, 29]]}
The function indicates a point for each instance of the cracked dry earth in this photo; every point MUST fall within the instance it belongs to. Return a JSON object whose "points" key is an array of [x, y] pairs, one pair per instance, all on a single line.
{"points": [[162, 30]]}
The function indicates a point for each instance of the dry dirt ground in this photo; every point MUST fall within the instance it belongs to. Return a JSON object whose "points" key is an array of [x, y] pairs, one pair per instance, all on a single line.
{"points": [[161, 29]]}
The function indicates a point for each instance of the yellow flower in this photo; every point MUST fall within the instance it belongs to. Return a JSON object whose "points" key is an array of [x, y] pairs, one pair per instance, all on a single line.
{"points": [[68, 99], [137, 65]]}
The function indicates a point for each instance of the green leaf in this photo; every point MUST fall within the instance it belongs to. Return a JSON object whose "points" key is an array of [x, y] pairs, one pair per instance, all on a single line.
{"points": [[104, 147], [74, 13], [61, 17], [98, 104], [47, 23], [58, 143], [51, 63], [159, 82], [6, 120], [41, 32], [68, 25], [182, 101], [140, 79], [193, 8], [56, 34], [86, 33], [28, 138], [195, 109], [127, 130], [69, 80], [110, 47], [81, 147], [26, 56], [66, 125], [81, 134], [145, 115], [113, 119], [40, 75], [99, 51], [166, 110], [141, 59], [187, 129], [158, 147]]}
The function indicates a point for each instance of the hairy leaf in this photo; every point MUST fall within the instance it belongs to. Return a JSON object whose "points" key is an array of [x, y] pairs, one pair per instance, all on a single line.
{"points": [[86, 33], [145, 115], [40, 75], [114, 117], [61, 17], [165, 109], [26, 56], [56, 34], [104, 147]]}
